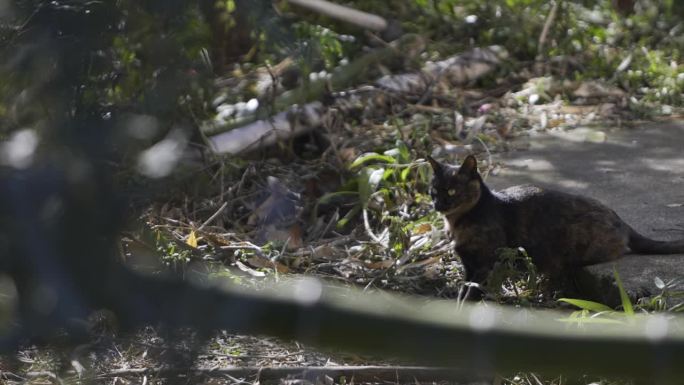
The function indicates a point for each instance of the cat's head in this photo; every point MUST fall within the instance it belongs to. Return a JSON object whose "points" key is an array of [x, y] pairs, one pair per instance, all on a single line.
{"points": [[455, 190]]}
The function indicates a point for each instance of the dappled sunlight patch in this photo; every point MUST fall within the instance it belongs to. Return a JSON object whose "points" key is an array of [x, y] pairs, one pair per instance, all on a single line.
{"points": [[19, 150], [581, 134], [161, 158], [573, 184], [531, 164], [664, 164], [606, 163]]}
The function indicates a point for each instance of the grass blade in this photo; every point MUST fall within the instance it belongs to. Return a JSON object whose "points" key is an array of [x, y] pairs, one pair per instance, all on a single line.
{"points": [[626, 302], [371, 156], [586, 305]]}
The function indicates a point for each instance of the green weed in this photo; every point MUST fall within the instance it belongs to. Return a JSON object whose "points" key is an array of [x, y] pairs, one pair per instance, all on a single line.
{"points": [[594, 312]]}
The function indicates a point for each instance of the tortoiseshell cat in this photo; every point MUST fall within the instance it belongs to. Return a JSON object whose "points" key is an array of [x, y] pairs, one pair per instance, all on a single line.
{"points": [[559, 231]]}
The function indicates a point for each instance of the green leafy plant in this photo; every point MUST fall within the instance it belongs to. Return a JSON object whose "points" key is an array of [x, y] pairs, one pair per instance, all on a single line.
{"points": [[515, 271], [595, 312], [327, 44], [380, 178], [172, 253], [669, 298], [385, 200]]}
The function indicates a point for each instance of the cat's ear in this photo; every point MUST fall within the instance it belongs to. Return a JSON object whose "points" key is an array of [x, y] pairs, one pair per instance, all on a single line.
{"points": [[469, 166], [437, 167]]}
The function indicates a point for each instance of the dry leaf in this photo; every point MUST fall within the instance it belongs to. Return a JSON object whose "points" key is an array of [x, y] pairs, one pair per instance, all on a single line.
{"points": [[348, 154], [258, 261], [385, 264], [327, 252], [192, 239], [422, 229], [577, 110], [216, 239], [596, 137], [421, 263], [292, 235], [596, 89], [582, 134], [555, 122]]}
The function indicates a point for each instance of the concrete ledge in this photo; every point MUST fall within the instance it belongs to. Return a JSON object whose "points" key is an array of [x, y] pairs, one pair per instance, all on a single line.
{"points": [[637, 273]]}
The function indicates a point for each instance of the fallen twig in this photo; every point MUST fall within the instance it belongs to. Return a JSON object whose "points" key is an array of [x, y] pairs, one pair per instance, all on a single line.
{"points": [[211, 218]]}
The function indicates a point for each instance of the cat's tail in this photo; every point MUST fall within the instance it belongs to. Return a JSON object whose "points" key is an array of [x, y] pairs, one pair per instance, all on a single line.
{"points": [[643, 245]]}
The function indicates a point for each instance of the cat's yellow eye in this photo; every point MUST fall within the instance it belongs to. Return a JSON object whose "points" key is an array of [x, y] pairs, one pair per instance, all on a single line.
{"points": [[451, 192]]}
